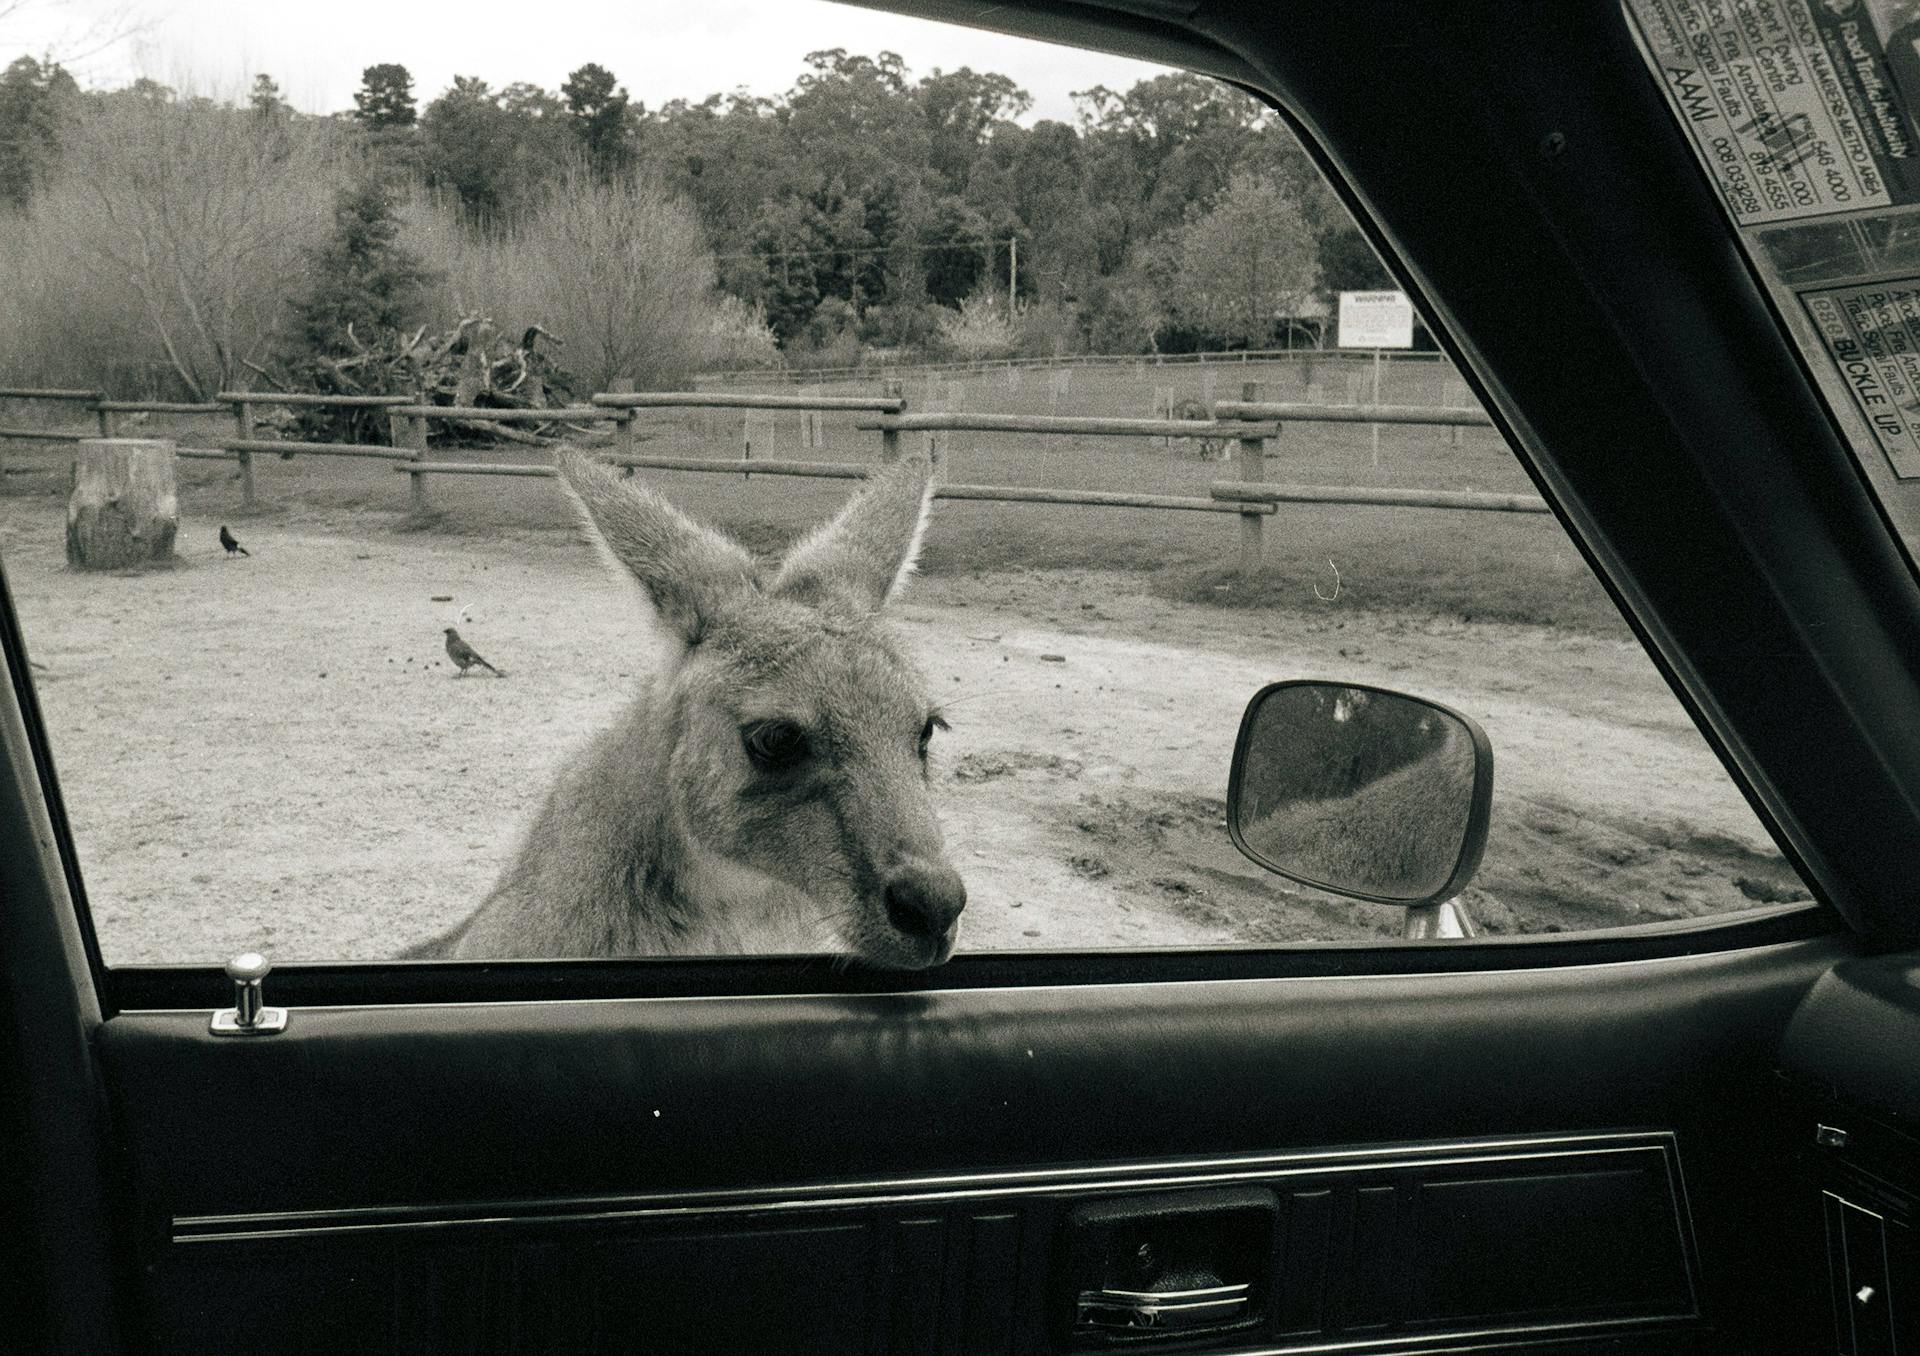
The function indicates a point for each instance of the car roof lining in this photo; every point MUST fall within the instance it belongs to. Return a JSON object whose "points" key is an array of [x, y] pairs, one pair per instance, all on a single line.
{"points": [[1144, 30]]}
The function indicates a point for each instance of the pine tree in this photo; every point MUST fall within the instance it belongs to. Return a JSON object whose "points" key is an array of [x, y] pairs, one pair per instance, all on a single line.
{"points": [[385, 96], [36, 100], [361, 275]]}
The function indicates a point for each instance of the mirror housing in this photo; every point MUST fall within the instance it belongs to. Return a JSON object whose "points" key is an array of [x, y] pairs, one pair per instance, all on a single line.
{"points": [[1361, 791]]}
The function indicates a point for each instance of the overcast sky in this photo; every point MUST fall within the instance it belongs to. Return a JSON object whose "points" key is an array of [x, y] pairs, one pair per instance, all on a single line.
{"points": [[659, 49]]}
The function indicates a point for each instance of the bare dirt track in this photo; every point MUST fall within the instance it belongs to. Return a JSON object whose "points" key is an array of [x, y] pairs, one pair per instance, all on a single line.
{"points": [[272, 752]]}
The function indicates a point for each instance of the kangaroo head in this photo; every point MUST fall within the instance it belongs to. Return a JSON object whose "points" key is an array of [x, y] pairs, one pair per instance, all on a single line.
{"points": [[796, 728]]}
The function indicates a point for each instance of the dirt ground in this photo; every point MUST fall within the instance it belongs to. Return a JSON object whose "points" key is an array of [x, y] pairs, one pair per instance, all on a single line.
{"points": [[272, 752]]}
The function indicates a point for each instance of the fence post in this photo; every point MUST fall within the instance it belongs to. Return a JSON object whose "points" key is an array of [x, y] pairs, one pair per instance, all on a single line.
{"points": [[243, 428], [629, 433], [410, 431], [106, 420], [1253, 457], [890, 437]]}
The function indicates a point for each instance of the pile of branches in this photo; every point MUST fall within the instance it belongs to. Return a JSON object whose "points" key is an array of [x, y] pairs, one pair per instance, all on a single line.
{"points": [[471, 365]]}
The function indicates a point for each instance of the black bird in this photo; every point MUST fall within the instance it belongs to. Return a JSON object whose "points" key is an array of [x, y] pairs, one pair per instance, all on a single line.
{"points": [[226, 540], [465, 655]]}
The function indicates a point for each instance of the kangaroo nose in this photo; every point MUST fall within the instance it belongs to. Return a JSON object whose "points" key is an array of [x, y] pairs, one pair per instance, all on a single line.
{"points": [[923, 901]]}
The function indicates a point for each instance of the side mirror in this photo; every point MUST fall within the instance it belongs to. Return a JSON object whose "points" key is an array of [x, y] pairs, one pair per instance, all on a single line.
{"points": [[1364, 792]]}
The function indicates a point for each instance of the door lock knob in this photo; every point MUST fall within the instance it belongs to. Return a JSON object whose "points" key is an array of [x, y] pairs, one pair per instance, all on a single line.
{"points": [[249, 1015]]}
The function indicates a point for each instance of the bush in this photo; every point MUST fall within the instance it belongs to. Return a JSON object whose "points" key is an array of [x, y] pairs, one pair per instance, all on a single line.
{"points": [[171, 245], [979, 329], [1047, 332], [739, 337], [1119, 316], [618, 271]]}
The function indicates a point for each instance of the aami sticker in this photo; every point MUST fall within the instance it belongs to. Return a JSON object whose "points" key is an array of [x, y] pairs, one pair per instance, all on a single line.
{"points": [[1799, 108], [1871, 332]]}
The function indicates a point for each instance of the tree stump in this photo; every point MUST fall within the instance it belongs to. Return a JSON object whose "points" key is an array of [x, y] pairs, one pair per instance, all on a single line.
{"points": [[123, 510]]}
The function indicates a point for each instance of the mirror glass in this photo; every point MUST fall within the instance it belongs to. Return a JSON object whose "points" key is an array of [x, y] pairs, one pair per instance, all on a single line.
{"points": [[1356, 790]]}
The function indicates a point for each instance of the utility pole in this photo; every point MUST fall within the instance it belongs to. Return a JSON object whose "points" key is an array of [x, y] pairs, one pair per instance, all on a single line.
{"points": [[1013, 271]]}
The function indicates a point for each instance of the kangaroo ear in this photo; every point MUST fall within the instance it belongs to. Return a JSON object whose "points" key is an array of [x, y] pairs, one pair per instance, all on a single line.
{"points": [[685, 568], [870, 547]]}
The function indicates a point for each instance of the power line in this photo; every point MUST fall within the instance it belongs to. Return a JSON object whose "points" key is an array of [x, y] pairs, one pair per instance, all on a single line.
{"points": [[862, 250]]}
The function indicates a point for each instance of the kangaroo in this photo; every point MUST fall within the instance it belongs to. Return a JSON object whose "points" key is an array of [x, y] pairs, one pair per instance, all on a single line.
{"points": [[767, 790]]}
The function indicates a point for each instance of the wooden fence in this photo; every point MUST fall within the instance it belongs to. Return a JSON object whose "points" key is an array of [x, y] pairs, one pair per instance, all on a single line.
{"points": [[879, 371], [1247, 422]]}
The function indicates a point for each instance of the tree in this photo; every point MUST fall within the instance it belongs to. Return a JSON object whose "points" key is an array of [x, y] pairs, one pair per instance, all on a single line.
{"points": [[598, 109], [1347, 263], [849, 121], [496, 152], [960, 109], [36, 101], [265, 98], [385, 96], [954, 251], [360, 276], [1244, 263], [728, 156]]}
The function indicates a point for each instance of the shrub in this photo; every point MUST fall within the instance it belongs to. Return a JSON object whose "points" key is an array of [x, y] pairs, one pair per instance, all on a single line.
{"points": [[1119, 316], [619, 271], [979, 329], [173, 241], [1047, 332], [739, 337], [902, 325]]}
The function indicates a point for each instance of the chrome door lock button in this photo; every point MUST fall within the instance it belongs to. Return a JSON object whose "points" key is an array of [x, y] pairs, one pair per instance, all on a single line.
{"points": [[249, 1015]]}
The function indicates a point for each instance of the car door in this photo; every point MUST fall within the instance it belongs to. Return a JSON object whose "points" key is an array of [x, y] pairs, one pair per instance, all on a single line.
{"points": [[1574, 1143]]}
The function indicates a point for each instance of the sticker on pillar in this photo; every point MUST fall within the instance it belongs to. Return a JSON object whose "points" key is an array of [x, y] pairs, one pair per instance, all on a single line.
{"points": [[1798, 108], [1871, 334]]}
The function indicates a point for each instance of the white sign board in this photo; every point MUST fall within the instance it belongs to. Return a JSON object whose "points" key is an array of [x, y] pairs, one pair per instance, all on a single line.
{"points": [[1375, 320]]}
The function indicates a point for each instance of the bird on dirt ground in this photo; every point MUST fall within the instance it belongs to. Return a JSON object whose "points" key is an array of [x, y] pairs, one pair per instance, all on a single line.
{"points": [[465, 655], [227, 540]]}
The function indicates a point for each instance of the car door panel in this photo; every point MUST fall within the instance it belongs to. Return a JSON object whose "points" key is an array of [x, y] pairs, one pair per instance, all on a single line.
{"points": [[597, 1162]]}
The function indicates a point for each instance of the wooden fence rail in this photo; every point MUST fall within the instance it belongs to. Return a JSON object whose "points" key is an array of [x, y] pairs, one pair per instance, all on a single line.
{"points": [[41, 435], [1008, 494], [1290, 412], [1072, 424], [474, 468], [292, 449], [825, 470], [1251, 423], [40, 393], [365, 402], [529, 416], [1260, 492], [721, 400]]}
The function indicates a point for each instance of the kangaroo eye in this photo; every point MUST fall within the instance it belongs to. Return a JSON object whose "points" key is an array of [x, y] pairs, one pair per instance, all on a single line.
{"points": [[774, 745]]}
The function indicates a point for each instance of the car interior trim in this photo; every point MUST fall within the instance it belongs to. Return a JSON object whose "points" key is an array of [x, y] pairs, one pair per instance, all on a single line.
{"points": [[227, 1228]]}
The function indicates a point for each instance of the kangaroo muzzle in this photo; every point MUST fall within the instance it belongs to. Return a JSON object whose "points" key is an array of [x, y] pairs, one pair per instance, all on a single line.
{"points": [[924, 901]]}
